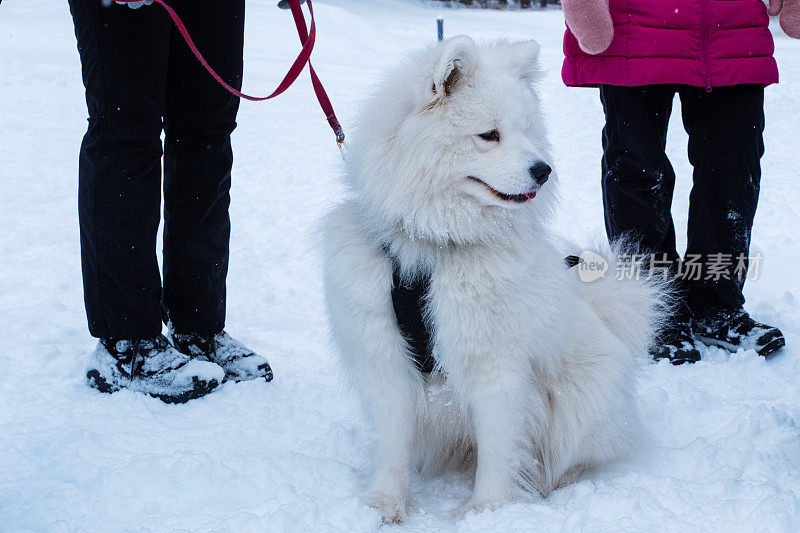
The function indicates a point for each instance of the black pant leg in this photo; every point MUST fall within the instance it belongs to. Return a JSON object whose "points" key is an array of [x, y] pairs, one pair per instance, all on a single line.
{"points": [[725, 129], [638, 178], [124, 58], [199, 120]]}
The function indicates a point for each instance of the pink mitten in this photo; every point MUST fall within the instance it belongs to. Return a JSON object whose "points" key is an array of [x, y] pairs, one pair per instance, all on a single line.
{"points": [[789, 11], [590, 21]]}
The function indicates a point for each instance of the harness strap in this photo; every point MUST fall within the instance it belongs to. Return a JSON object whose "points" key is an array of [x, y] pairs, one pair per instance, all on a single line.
{"points": [[408, 300]]}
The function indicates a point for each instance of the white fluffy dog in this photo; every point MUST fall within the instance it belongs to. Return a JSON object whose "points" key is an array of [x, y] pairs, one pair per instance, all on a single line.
{"points": [[535, 370]]}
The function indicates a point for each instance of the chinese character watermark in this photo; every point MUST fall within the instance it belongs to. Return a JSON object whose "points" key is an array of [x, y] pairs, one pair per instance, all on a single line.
{"points": [[713, 268]]}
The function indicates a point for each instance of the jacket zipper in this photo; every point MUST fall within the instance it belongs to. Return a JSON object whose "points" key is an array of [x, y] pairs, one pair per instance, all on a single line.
{"points": [[705, 37]]}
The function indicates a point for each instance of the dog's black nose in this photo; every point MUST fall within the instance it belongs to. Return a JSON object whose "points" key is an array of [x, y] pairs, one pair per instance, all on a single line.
{"points": [[540, 171]]}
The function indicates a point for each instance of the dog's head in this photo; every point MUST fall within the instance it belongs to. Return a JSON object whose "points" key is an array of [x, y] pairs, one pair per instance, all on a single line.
{"points": [[452, 146]]}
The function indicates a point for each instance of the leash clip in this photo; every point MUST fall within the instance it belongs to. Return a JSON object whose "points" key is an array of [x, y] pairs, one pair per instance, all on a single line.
{"points": [[340, 142]]}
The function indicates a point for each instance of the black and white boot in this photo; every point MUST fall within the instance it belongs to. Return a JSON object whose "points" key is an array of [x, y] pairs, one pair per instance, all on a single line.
{"points": [[736, 330], [151, 367], [675, 343], [239, 362]]}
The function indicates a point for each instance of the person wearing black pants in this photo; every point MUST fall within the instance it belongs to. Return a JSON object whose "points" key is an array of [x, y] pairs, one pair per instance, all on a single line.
{"points": [[725, 127], [141, 79]]}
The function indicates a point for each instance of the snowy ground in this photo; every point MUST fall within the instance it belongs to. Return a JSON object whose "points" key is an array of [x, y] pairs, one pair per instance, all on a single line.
{"points": [[723, 451]]}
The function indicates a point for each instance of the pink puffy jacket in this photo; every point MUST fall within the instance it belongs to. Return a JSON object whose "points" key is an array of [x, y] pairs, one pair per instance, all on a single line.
{"points": [[705, 43]]}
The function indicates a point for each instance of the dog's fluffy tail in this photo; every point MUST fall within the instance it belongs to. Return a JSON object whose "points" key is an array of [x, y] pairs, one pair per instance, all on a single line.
{"points": [[633, 302]]}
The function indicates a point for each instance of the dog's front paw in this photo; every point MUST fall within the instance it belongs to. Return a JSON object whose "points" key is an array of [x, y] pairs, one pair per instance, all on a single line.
{"points": [[393, 510], [476, 506]]}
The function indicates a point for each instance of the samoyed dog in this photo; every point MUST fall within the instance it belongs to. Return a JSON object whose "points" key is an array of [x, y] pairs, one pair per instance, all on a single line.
{"points": [[534, 375]]}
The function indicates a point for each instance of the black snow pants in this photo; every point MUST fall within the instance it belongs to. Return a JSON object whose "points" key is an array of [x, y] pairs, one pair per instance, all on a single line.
{"points": [[725, 128], [141, 80]]}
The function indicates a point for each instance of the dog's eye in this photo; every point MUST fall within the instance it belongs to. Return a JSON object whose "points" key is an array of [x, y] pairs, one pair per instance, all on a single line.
{"points": [[490, 136]]}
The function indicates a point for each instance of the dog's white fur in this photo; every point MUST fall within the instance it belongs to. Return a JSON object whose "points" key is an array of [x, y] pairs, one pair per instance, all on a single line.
{"points": [[536, 369]]}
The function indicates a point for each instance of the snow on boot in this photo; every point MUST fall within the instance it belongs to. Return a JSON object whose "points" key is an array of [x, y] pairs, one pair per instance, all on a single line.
{"points": [[153, 367], [675, 343], [736, 330], [239, 362]]}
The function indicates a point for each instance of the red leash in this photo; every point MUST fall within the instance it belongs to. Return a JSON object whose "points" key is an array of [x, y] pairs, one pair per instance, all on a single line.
{"points": [[307, 38]]}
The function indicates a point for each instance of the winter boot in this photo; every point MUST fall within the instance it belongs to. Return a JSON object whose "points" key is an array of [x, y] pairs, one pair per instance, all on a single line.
{"points": [[239, 362], [736, 330], [151, 367], [675, 343]]}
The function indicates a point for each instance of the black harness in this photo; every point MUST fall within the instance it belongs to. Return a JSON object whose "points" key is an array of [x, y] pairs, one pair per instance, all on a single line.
{"points": [[408, 300]]}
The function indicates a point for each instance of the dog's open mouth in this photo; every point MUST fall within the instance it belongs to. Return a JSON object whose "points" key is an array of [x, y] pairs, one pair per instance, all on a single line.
{"points": [[515, 198]]}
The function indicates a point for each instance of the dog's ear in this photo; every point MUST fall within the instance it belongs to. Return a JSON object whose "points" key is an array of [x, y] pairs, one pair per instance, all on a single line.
{"points": [[459, 61], [523, 59]]}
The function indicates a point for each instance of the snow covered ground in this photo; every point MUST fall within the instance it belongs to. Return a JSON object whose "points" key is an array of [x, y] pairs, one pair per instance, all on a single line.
{"points": [[723, 445]]}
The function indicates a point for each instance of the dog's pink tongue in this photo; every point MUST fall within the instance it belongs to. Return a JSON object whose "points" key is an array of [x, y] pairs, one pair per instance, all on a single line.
{"points": [[530, 195]]}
